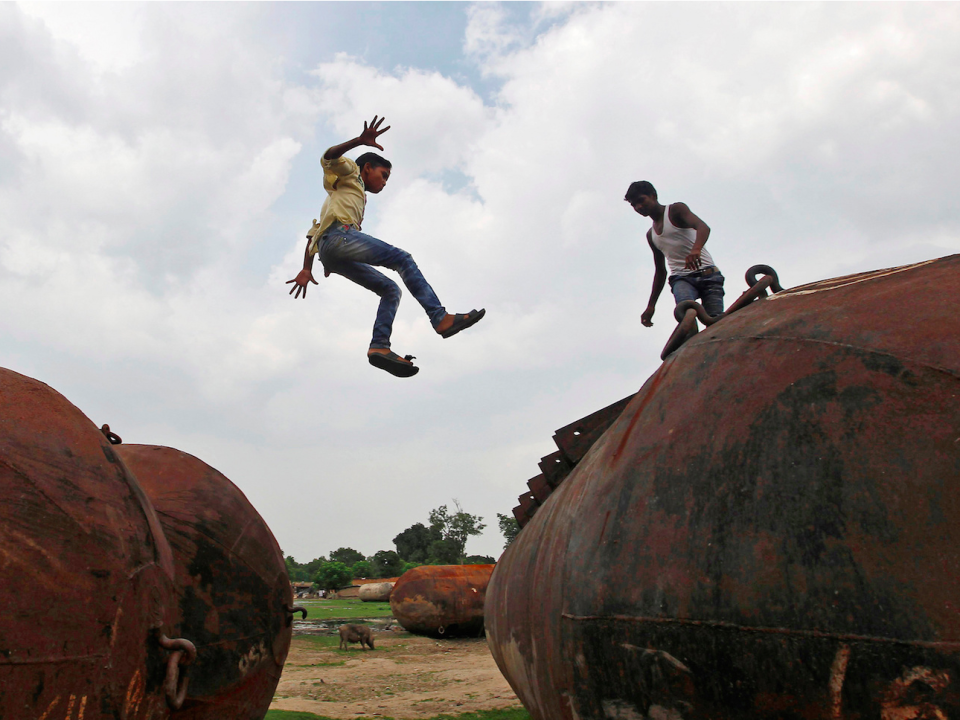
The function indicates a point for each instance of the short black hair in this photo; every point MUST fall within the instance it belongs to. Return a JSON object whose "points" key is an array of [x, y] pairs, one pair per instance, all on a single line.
{"points": [[373, 159], [640, 187]]}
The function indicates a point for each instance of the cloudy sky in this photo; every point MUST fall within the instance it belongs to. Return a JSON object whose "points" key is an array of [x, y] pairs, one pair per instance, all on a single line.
{"points": [[159, 168]]}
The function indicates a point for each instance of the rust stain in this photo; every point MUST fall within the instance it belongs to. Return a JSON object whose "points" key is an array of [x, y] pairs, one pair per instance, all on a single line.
{"points": [[838, 673]]}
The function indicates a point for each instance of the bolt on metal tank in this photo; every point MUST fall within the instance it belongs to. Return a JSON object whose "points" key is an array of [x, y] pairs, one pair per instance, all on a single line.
{"points": [[233, 594], [441, 600], [85, 570], [770, 529]]}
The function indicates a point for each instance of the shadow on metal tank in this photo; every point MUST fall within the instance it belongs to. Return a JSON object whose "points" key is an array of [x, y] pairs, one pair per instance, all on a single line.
{"points": [[85, 571], [441, 600], [233, 593], [770, 529]]}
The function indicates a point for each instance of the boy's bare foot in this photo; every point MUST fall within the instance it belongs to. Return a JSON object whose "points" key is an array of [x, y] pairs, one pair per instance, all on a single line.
{"points": [[452, 324], [386, 359]]}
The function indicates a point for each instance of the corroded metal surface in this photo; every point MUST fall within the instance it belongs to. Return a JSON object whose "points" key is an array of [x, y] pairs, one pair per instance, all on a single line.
{"points": [[376, 592], [232, 584], [771, 529], [441, 599], [85, 571]]}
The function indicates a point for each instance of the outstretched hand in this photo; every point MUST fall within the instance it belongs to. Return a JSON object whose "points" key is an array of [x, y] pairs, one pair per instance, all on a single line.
{"points": [[303, 278], [370, 134]]}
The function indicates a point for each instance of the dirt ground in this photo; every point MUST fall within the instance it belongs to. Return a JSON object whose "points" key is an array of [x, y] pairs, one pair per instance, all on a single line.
{"points": [[406, 676]]}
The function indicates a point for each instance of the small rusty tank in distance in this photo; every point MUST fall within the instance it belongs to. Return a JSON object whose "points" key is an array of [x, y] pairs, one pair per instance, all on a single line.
{"points": [[232, 584], [376, 592], [85, 572], [771, 529], [441, 600]]}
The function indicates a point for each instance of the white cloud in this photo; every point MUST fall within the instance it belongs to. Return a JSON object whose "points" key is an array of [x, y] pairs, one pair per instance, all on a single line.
{"points": [[154, 197]]}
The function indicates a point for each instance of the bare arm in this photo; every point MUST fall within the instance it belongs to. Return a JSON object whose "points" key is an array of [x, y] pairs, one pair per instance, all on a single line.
{"points": [[305, 276], [659, 280], [681, 216], [367, 137]]}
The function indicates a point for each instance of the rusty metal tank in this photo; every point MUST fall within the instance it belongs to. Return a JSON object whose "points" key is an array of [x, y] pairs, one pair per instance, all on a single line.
{"points": [[770, 529], [441, 600], [233, 591], [85, 571], [376, 592]]}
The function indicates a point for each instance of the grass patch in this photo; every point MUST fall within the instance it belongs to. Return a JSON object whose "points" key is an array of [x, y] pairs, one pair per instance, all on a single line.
{"points": [[347, 609], [508, 714]]}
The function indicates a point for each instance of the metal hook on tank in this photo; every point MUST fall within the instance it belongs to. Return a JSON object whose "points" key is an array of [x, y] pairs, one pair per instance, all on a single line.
{"points": [[183, 652], [292, 610], [111, 436]]}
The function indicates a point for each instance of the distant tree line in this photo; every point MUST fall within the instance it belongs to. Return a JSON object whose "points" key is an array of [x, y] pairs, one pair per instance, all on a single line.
{"points": [[442, 541]]}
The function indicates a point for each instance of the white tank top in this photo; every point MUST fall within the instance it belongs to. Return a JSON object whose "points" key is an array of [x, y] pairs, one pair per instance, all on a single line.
{"points": [[676, 243]]}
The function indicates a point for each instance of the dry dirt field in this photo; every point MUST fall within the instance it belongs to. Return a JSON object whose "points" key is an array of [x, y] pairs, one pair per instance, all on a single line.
{"points": [[406, 676]]}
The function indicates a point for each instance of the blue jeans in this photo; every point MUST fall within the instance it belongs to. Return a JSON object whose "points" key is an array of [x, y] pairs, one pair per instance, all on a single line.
{"points": [[349, 252], [707, 288]]}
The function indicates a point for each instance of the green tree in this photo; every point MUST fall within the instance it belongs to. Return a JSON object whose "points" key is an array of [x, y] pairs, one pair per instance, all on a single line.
{"points": [[300, 572], [347, 556], [454, 528], [333, 576], [479, 560], [409, 566], [363, 569], [294, 571], [444, 552], [413, 544], [509, 527], [387, 563]]}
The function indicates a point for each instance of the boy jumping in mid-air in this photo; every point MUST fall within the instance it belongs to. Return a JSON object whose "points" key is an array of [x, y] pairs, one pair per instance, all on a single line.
{"points": [[346, 251], [677, 237]]}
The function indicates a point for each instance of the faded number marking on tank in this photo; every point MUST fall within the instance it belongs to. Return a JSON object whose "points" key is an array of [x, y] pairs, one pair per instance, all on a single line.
{"points": [[135, 692], [252, 658], [70, 705]]}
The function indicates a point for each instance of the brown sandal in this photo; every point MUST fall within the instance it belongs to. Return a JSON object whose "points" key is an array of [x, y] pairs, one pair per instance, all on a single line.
{"points": [[393, 364], [462, 322]]}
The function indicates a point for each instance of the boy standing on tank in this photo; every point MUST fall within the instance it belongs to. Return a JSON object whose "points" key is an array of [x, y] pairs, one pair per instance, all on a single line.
{"points": [[677, 237], [346, 251]]}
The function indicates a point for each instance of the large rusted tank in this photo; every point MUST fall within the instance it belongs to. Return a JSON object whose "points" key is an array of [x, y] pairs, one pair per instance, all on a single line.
{"points": [[85, 571], [441, 600], [376, 592], [771, 529], [233, 591]]}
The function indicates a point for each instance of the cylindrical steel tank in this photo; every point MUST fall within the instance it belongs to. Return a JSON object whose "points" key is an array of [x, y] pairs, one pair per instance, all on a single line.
{"points": [[441, 600], [771, 529], [232, 584], [85, 571], [376, 592]]}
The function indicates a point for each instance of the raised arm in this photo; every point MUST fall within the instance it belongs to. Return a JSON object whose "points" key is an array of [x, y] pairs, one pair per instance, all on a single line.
{"points": [[659, 280], [367, 137], [681, 216]]}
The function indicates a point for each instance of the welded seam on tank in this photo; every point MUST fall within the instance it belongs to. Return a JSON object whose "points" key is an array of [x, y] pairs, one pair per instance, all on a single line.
{"points": [[786, 338], [720, 625], [53, 659], [825, 285]]}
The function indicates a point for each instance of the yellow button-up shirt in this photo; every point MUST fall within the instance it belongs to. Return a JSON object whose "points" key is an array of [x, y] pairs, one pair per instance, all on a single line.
{"points": [[346, 197]]}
